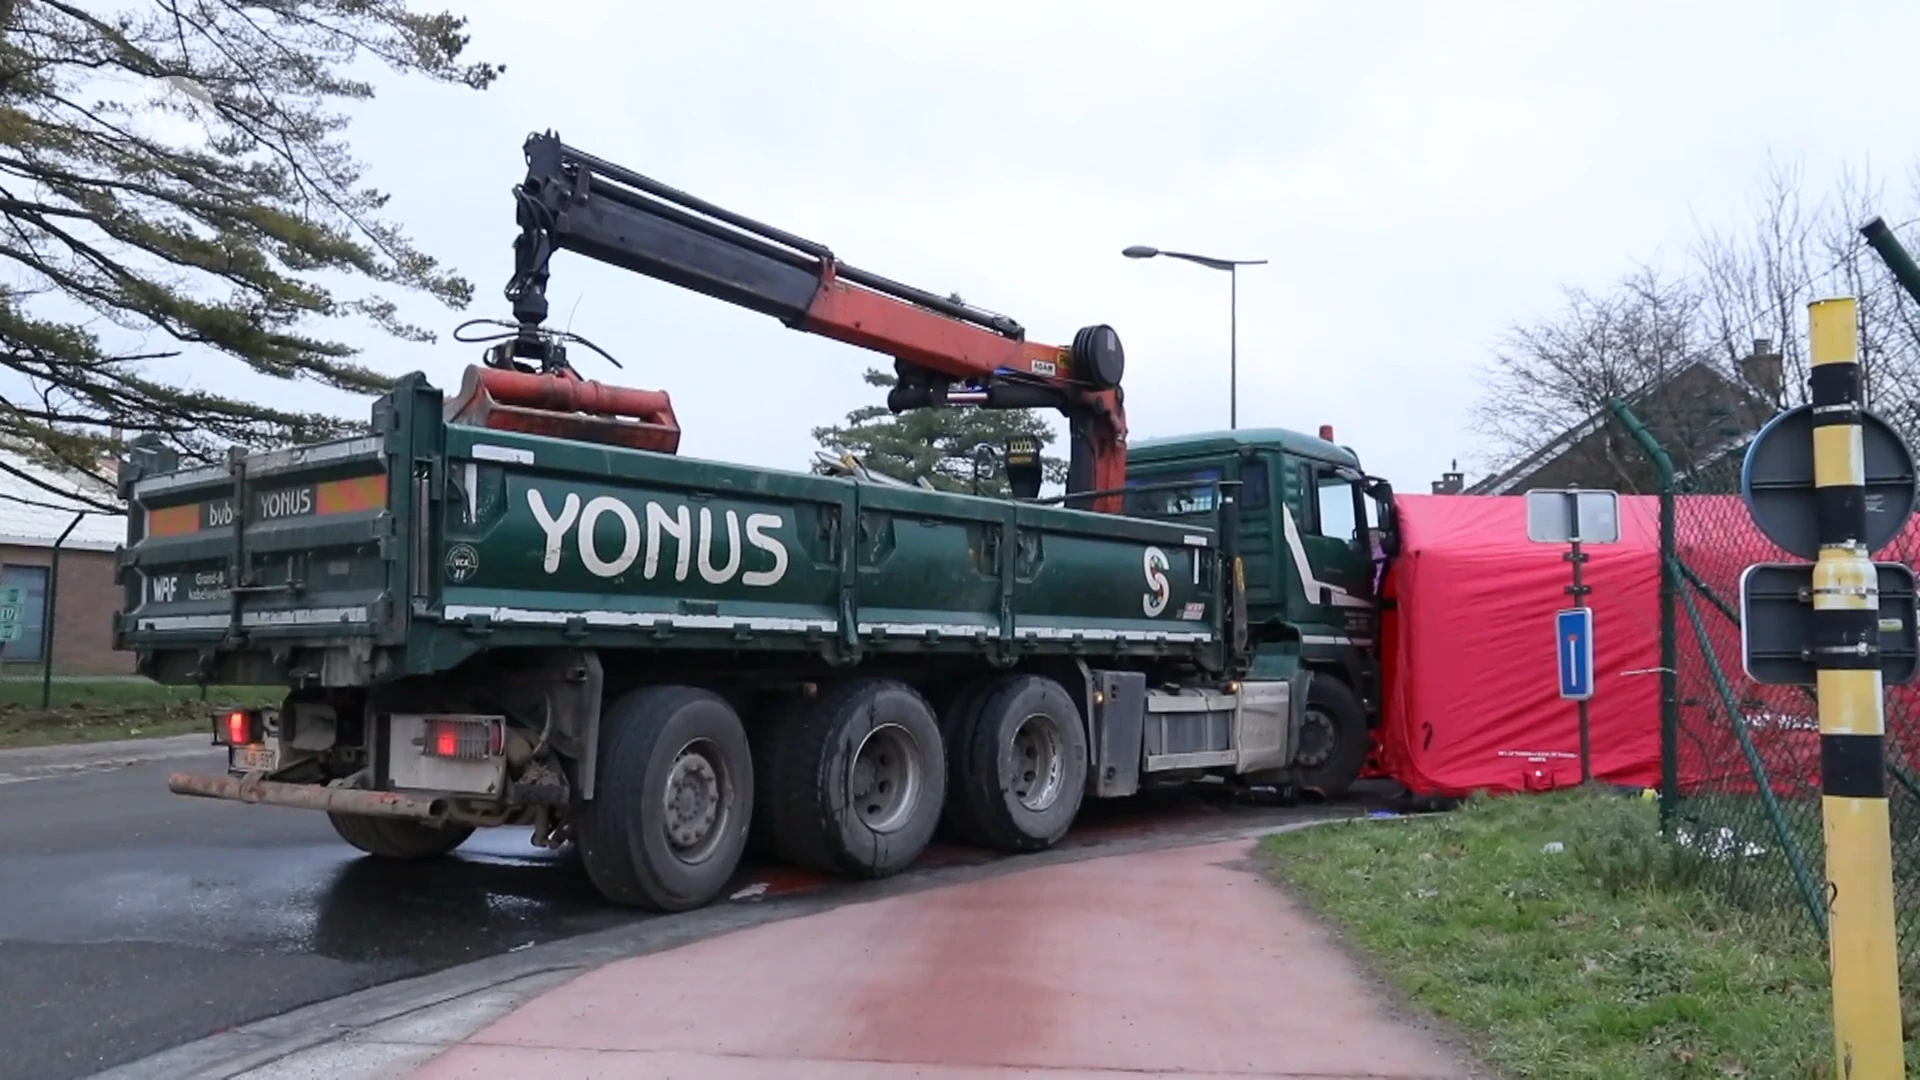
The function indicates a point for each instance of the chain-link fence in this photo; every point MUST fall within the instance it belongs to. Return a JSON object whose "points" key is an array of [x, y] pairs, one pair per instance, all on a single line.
{"points": [[1741, 783]]}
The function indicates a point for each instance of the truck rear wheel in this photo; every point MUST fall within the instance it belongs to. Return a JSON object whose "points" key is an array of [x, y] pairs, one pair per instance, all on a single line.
{"points": [[956, 720], [856, 780], [1333, 737], [398, 838], [1024, 767], [668, 821]]}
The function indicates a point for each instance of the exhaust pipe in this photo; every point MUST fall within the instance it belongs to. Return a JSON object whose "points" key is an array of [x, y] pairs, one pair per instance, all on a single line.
{"points": [[309, 797]]}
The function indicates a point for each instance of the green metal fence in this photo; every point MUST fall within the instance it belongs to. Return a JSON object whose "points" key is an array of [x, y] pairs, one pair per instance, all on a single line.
{"points": [[1741, 761]]}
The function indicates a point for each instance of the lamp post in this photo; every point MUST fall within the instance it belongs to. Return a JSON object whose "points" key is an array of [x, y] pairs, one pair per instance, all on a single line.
{"points": [[1232, 267]]}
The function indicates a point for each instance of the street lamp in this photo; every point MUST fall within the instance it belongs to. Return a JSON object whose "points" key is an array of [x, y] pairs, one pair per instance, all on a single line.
{"points": [[1231, 266]]}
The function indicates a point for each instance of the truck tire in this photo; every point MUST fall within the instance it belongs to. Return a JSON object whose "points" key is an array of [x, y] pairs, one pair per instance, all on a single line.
{"points": [[1024, 771], [668, 821], [1333, 738], [956, 720], [398, 838], [763, 738], [856, 780]]}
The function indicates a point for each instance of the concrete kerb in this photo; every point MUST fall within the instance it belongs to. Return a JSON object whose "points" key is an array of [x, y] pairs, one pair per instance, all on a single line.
{"points": [[41, 762], [343, 1037]]}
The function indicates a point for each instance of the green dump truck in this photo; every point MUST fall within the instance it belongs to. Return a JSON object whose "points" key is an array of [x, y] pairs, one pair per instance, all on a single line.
{"points": [[521, 606]]}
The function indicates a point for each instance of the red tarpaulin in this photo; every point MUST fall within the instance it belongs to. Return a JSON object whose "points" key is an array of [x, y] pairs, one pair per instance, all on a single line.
{"points": [[1468, 649], [1471, 679]]}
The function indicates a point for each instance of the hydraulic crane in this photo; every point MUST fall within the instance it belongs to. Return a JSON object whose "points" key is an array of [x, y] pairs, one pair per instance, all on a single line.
{"points": [[945, 352]]}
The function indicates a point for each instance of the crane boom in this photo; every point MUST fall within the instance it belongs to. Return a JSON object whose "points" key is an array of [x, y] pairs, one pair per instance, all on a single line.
{"points": [[945, 352]]}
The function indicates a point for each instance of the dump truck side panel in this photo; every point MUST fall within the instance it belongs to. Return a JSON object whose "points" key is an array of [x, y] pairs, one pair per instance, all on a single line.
{"points": [[668, 553], [415, 548]]}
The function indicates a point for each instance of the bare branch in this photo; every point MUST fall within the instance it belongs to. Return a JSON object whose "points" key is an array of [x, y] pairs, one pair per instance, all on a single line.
{"points": [[1742, 288]]}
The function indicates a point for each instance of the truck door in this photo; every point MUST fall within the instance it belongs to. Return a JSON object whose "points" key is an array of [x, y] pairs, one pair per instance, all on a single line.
{"points": [[1338, 565], [1259, 542]]}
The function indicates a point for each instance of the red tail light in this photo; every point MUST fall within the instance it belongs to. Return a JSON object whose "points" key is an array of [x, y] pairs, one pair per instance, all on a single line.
{"points": [[463, 738], [241, 727]]}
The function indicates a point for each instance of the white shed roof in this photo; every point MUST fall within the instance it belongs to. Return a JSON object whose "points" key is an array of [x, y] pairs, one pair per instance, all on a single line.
{"points": [[33, 516]]}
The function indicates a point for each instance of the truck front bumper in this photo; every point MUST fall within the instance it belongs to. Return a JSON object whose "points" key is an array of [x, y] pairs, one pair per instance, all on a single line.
{"points": [[309, 797]]}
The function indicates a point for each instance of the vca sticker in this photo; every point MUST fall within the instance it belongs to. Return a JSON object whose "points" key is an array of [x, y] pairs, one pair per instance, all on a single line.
{"points": [[462, 563]]}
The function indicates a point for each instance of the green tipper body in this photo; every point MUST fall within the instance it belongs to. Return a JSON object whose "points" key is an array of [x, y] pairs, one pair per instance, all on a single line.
{"points": [[409, 551]]}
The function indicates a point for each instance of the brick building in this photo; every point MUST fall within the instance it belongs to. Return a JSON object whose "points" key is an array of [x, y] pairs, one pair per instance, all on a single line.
{"points": [[35, 509]]}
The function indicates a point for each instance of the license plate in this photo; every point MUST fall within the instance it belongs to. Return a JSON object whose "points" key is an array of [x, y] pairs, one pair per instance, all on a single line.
{"points": [[254, 759]]}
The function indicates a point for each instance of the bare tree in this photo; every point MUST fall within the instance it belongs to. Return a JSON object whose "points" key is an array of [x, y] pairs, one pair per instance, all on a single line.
{"points": [[1549, 376], [1751, 280], [1889, 318], [1743, 290]]}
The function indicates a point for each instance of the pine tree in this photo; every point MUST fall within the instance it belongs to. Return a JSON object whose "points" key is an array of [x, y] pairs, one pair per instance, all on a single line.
{"points": [[230, 243], [943, 446]]}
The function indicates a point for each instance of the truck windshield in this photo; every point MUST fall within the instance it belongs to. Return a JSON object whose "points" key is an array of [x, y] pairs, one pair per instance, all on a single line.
{"points": [[1171, 497]]}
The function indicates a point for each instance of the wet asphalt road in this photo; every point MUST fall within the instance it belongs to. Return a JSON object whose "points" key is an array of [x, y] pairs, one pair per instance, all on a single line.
{"points": [[133, 920]]}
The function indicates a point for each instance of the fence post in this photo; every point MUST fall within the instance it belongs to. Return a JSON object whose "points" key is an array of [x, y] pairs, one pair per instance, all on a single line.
{"points": [[1853, 774], [1669, 620], [53, 613]]}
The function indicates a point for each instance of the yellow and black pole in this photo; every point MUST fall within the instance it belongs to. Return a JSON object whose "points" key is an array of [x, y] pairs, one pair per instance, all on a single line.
{"points": [[1846, 630]]}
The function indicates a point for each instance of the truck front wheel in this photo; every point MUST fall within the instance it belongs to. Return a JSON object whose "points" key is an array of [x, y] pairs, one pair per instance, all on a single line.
{"points": [[1024, 771], [398, 838], [668, 821], [1333, 738], [855, 780]]}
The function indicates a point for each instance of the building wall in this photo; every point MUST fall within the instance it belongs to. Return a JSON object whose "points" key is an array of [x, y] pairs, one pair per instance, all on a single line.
{"points": [[86, 601]]}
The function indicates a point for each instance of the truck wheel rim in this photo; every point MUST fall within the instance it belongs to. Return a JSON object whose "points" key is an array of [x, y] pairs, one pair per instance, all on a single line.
{"points": [[697, 807], [884, 781], [1039, 765], [1316, 738]]}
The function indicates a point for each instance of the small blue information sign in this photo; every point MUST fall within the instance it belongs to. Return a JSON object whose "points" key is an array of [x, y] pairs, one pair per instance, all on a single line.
{"points": [[1573, 637]]}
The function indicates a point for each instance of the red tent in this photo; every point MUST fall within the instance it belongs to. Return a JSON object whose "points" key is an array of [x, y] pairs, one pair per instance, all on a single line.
{"points": [[1472, 690], [1472, 700]]}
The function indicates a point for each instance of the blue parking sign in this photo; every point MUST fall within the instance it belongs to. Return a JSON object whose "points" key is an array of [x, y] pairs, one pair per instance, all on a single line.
{"points": [[1573, 640]]}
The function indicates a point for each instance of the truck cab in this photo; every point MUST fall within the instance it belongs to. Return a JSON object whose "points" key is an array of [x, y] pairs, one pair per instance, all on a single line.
{"points": [[1315, 533]]}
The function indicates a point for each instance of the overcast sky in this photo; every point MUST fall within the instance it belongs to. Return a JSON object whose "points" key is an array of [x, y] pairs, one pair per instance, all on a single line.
{"points": [[1420, 175]]}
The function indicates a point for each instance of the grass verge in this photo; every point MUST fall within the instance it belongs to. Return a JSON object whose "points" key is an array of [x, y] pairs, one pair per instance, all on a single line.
{"points": [[1607, 958], [98, 711]]}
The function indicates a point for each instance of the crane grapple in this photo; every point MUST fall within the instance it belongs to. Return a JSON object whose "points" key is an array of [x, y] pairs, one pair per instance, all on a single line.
{"points": [[563, 405]]}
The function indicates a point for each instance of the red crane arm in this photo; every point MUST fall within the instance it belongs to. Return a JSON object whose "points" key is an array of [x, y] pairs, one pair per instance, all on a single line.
{"points": [[946, 352], [923, 338]]}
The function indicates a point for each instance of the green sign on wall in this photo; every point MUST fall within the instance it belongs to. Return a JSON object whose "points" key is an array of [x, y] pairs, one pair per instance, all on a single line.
{"points": [[13, 601]]}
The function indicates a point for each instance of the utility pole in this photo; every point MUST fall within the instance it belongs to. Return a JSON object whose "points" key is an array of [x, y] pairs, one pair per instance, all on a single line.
{"points": [[1233, 347], [1853, 772], [1232, 267]]}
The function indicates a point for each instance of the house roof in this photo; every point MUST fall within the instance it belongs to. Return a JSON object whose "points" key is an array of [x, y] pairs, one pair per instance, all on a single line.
{"points": [[33, 516], [1508, 480], [1504, 481]]}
